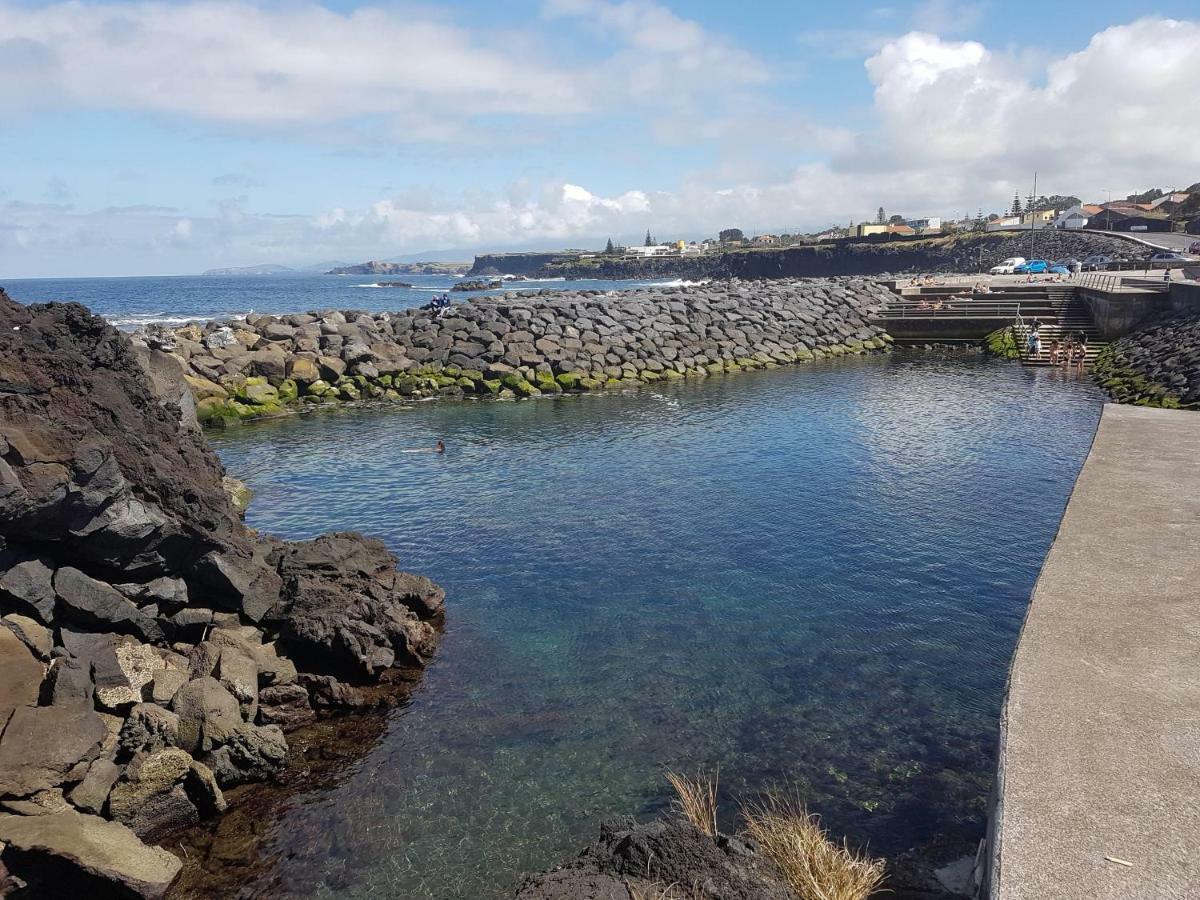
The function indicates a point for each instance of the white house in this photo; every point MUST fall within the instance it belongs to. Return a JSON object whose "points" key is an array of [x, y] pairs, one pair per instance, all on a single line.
{"points": [[652, 250], [1077, 216]]}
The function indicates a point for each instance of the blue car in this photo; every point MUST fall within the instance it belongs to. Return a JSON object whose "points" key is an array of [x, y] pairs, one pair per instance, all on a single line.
{"points": [[1032, 267]]}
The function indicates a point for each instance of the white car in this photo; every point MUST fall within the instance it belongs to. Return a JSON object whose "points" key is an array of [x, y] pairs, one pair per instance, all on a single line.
{"points": [[1007, 267]]}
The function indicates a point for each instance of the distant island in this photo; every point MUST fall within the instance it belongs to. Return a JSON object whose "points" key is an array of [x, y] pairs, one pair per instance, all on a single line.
{"points": [[375, 267], [267, 269]]}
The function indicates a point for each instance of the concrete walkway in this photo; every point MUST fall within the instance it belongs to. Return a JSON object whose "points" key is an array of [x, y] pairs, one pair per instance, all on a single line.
{"points": [[1100, 743]]}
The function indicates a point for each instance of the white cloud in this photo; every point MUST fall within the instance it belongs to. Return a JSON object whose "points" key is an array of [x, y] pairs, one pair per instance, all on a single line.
{"points": [[954, 125], [292, 65]]}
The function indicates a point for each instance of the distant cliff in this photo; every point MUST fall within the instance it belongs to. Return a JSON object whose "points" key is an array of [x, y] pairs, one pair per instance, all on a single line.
{"points": [[376, 267], [250, 270], [959, 253]]}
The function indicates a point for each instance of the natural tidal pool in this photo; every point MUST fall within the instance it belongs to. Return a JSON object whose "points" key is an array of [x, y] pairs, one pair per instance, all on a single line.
{"points": [[812, 576]]}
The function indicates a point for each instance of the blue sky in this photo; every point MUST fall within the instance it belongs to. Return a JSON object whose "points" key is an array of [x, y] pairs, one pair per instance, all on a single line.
{"points": [[172, 137]]}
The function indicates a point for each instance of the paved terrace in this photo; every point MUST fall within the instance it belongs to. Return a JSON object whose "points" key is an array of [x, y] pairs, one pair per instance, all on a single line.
{"points": [[1100, 741]]}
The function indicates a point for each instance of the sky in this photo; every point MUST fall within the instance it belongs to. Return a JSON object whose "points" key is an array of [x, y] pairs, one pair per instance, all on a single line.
{"points": [[171, 137]]}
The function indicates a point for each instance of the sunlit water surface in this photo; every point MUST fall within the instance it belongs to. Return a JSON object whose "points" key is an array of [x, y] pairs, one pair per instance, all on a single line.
{"points": [[812, 576]]}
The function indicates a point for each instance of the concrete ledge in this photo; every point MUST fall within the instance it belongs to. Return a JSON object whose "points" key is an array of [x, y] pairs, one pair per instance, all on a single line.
{"points": [[1100, 737]]}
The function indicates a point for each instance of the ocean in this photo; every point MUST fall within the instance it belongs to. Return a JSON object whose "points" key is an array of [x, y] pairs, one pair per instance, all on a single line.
{"points": [[175, 300]]}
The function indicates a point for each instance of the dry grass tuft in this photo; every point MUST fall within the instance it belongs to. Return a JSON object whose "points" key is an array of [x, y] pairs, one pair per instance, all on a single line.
{"points": [[814, 866], [655, 892], [697, 800]]}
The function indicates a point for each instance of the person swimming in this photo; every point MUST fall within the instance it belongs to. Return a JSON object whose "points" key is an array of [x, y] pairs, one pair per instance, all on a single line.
{"points": [[439, 447]]}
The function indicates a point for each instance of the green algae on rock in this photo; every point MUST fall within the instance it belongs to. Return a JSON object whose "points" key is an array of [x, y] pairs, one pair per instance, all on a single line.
{"points": [[521, 345]]}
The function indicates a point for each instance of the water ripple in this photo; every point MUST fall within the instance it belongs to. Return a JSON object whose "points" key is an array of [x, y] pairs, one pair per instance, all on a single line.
{"points": [[815, 574]]}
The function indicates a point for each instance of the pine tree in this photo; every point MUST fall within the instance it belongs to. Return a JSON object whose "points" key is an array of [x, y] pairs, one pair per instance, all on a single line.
{"points": [[1016, 209], [649, 240], [610, 249], [881, 216]]}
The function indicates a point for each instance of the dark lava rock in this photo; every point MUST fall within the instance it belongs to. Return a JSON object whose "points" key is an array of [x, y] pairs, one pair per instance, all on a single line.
{"points": [[660, 853], [117, 536], [345, 609]]}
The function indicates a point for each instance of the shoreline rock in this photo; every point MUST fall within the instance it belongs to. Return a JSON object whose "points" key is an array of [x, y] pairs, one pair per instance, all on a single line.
{"points": [[152, 646], [519, 345], [1156, 365]]}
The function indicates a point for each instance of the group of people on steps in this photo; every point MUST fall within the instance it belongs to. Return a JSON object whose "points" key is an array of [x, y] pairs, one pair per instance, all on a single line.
{"points": [[1070, 353]]}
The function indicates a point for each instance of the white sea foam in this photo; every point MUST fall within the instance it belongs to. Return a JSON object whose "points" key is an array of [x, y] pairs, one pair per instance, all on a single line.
{"points": [[140, 320], [680, 282]]}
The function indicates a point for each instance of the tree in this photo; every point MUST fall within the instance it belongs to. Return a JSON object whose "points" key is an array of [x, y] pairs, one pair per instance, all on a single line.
{"points": [[880, 217], [1016, 207], [649, 240], [610, 249], [1055, 202], [729, 235], [1145, 197], [896, 220]]}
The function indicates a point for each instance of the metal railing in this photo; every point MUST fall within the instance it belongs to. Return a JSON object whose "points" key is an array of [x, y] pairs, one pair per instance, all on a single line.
{"points": [[954, 308], [1113, 284]]}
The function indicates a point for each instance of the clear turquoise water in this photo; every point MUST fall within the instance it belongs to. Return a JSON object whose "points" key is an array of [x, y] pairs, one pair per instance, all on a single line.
{"points": [[812, 576]]}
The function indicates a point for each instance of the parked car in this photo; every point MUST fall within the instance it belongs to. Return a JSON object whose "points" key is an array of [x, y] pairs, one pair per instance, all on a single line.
{"points": [[1008, 267], [1168, 256], [1071, 265], [1032, 267], [1096, 262], [1057, 268]]}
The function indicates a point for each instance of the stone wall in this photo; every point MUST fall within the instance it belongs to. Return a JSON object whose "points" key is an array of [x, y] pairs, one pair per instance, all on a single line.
{"points": [[153, 650], [522, 345]]}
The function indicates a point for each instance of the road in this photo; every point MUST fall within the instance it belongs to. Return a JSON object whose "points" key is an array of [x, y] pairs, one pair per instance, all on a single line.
{"points": [[1166, 240]]}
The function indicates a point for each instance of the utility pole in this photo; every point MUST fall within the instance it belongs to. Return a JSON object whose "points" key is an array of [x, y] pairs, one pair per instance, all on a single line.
{"points": [[1032, 222]]}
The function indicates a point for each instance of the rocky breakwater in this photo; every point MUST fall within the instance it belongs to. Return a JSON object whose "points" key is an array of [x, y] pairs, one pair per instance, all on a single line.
{"points": [[522, 344], [1157, 365], [153, 650]]}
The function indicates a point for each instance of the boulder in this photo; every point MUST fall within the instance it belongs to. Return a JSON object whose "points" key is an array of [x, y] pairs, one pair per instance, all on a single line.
{"points": [[32, 634], [148, 729], [138, 664], [208, 714], [251, 753], [44, 746], [285, 705], [20, 674], [69, 854], [203, 790], [26, 586], [42, 803], [303, 370], [92, 792], [150, 798], [237, 670], [344, 609], [166, 685], [273, 669], [245, 583], [69, 682], [94, 604]]}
